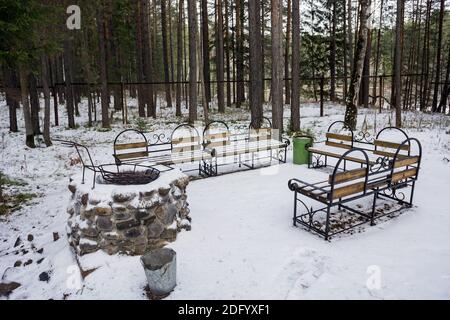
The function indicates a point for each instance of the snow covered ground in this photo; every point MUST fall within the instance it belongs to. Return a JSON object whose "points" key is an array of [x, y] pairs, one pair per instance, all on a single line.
{"points": [[242, 244]]}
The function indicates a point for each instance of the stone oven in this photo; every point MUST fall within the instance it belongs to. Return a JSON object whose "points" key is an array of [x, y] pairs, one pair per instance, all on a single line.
{"points": [[127, 219]]}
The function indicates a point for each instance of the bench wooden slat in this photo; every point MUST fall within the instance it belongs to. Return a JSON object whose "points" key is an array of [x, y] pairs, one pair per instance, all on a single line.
{"points": [[348, 190], [338, 136], [338, 145], [348, 175], [131, 155], [406, 162], [392, 145], [185, 139], [186, 148], [336, 155], [216, 136], [213, 144], [134, 145], [384, 153], [404, 174]]}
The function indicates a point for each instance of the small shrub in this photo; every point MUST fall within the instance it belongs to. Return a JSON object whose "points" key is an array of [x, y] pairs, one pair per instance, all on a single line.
{"points": [[141, 124]]}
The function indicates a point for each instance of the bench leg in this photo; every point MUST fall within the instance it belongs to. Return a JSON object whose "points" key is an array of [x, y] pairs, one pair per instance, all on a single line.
{"points": [[327, 225], [93, 182], [82, 179], [412, 193], [295, 209], [240, 160], [372, 216]]}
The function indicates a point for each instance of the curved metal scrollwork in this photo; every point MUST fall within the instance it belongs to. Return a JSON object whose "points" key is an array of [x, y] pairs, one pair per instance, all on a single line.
{"points": [[380, 164], [159, 138], [393, 191], [316, 161], [364, 137]]}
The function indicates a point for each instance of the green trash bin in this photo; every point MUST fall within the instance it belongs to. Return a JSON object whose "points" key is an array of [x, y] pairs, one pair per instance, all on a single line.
{"points": [[301, 155]]}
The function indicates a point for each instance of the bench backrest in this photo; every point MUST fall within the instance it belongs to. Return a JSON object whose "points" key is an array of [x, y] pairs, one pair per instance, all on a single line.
{"points": [[406, 167], [339, 140], [388, 149], [216, 134], [185, 138], [355, 180], [262, 134], [130, 150]]}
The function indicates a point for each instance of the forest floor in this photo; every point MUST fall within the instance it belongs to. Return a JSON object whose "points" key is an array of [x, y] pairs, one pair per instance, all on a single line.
{"points": [[242, 244]]}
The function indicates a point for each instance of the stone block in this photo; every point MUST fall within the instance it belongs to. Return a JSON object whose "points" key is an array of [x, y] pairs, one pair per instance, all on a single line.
{"points": [[126, 224], [104, 223]]}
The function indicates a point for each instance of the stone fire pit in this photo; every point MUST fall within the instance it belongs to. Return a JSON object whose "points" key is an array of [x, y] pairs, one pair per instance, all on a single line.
{"points": [[127, 219]]}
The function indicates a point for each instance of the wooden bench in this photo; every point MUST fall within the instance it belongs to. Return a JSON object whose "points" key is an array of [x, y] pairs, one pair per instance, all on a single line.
{"points": [[218, 139], [183, 146], [344, 186], [379, 151]]}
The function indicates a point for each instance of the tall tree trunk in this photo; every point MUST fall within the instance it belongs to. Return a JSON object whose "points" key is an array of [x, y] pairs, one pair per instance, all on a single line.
{"points": [[165, 53], [240, 89], [424, 92], [201, 75], [103, 74], [295, 98], [192, 21], [227, 52], [286, 54], [349, 33], [219, 57], [23, 76], [378, 54], [398, 64], [277, 68], [333, 54], [147, 59], [351, 111], [139, 63], [365, 81], [205, 48], [179, 57], [446, 87], [437, 78], [34, 103], [68, 81], [345, 58], [46, 90], [11, 99], [255, 42]]}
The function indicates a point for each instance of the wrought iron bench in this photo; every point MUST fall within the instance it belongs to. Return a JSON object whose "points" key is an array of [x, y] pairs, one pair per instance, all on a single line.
{"points": [[164, 151], [218, 139], [344, 186], [379, 149]]}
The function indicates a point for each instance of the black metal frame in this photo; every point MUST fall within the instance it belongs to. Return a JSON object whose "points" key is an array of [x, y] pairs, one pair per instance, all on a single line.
{"points": [[381, 186], [361, 137], [95, 169], [117, 160]]}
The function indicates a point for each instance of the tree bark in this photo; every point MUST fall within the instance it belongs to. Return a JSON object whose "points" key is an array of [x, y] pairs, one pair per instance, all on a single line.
{"points": [[398, 64], [23, 76], [286, 55], [10, 95], [192, 23], [295, 98], [437, 78], [277, 69], [446, 88], [139, 63], [351, 111], [240, 89], [68, 82], [219, 57], [227, 52], [165, 53], [255, 62], [103, 74], [46, 90], [333, 54], [34, 103], [179, 57], [147, 59], [205, 48]]}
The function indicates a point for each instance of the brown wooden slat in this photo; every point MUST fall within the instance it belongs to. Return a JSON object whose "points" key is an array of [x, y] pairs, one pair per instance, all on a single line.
{"points": [[259, 138], [185, 139], [192, 147], [262, 131], [135, 145], [348, 190], [338, 145], [392, 145], [347, 175], [217, 144], [406, 162], [336, 155], [384, 153], [338, 136], [132, 155], [216, 136], [404, 174]]}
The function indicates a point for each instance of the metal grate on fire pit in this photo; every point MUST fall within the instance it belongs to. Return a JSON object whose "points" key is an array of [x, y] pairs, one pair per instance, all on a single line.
{"points": [[127, 174]]}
